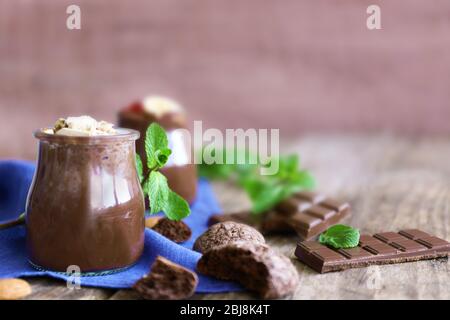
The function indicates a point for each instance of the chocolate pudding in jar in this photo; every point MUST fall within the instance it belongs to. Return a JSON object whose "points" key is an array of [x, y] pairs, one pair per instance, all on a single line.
{"points": [[180, 171], [85, 206]]}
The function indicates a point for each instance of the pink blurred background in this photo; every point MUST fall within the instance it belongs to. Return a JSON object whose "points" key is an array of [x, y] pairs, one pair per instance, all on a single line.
{"points": [[302, 66]]}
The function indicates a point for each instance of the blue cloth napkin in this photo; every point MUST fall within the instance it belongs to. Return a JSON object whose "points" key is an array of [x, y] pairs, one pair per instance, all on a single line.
{"points": [[15, 180]]}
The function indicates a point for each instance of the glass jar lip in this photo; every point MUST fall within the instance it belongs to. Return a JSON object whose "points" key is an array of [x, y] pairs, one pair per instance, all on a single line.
{"points": [[123, 134]]}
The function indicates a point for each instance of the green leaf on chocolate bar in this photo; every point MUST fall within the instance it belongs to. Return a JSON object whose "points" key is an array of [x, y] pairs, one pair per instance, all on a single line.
{"points": [[156, 144], [158, 191], [176, 207], [340, 236], [139, 168]]}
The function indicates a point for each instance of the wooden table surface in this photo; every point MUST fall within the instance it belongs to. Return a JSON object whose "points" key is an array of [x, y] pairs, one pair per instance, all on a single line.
{"points": [[391, 183]]}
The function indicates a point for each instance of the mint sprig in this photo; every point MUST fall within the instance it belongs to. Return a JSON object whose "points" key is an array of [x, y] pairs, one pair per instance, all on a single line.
{"points": [[340, 236], [155, 185], [264, 191]]}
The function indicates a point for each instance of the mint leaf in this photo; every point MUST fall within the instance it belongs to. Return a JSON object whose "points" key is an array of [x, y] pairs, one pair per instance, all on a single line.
{"points": [[139, 168], [215, 171], [176, 207], [290, 163], [340, 236], [265, 192], [304, 179], [161, 156], [158, 191], [155, 139], [267, 198], [227, 171]]}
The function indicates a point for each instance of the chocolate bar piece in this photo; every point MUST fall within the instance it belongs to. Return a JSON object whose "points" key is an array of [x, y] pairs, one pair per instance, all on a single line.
{"points": [[381, 248], [314, 213], [306, 213]]}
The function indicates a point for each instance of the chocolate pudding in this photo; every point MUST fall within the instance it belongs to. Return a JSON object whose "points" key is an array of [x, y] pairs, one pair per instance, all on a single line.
{"points": [[180, 171], [85, 206]]}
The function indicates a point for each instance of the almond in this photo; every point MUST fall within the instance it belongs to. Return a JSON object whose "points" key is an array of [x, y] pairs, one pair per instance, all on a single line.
{"points": [[12, 289]]}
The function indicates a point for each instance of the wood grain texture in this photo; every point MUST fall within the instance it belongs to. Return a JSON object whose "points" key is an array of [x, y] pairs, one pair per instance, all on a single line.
{"points": [[391, 183], [52, 289]]}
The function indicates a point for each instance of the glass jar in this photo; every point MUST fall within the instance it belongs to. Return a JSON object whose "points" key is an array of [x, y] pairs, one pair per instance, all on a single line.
{"points": [[85, 206]]}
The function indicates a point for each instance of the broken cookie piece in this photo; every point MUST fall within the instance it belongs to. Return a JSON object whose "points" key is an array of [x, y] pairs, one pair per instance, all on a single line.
{"points": [[256, 266], [226, 233], [177, 231], [167, 281]]}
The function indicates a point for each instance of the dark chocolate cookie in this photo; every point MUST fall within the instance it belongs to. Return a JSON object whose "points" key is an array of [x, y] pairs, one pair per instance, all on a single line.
{"points": [[257, 267], [225, 233], [168, 281], [177, 231]]}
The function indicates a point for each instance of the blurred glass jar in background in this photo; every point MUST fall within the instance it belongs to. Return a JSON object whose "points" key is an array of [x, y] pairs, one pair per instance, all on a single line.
{"points": [[180, 171]]}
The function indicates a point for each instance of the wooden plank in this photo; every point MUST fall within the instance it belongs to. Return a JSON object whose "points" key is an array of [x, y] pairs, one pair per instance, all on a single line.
{"points": [[52, 289], [125, 295]]}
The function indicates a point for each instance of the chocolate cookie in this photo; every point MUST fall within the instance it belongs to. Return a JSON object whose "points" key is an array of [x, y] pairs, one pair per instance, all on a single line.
{"points": [[254, 265], [168, 281], [177, 231], [226, 233]]}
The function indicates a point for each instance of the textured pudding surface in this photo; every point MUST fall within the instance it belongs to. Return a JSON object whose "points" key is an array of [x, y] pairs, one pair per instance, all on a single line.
{"points": [[81, 126]]}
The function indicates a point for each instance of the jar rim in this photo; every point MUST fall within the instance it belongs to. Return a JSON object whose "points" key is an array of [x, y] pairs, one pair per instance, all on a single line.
{"points": [[122, 134]]}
